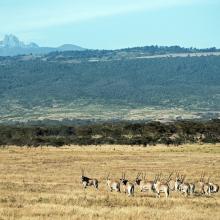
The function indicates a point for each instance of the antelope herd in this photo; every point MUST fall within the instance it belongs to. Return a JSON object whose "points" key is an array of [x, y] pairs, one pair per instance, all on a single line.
{"points": [[157, 186]]}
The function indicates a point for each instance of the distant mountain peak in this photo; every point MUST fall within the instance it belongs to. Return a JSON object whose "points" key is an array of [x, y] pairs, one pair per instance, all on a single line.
{"points": [[66, 47], [12, 46], [11, 41]]}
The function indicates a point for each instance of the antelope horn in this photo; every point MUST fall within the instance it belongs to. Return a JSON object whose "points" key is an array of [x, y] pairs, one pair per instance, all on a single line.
{"points": [[177, 175], [138, 174], [184, 176], [203, 176], [108, 176], [208, 179], [170, 176]]}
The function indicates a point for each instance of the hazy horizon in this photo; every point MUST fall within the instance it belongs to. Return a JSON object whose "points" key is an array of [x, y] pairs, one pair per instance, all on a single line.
{"points": [[113, 24]]}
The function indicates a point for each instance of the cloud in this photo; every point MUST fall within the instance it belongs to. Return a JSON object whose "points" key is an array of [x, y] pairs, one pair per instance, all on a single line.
{"points": [[44, 14]]}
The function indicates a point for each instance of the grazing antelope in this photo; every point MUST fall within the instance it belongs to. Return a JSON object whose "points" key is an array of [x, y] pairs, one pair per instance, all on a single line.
{"points": [[127, 186], [177, 182], [86, 181], [170, 182], [205, 188], [113, 184], [184, 187], [143, 184], [174, 183], [214, 188], [159, 186], [192, 188]]}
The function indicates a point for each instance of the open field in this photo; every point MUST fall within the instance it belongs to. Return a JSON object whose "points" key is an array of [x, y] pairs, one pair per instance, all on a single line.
{"points": [[44, 183]]}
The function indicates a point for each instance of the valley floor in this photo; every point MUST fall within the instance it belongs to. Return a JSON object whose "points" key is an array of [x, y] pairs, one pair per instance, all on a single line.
{"points": [[44, 183]]}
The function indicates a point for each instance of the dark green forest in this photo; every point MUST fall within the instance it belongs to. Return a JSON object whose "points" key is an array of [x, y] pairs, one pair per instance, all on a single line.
{"points": [[127, 52], [190, 82], [136, 133]]}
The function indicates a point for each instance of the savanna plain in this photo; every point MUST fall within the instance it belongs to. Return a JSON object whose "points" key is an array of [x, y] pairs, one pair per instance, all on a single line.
{"points": [[44, 182]]}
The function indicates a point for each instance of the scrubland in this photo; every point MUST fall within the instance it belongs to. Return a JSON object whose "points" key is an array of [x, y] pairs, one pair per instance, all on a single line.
{"points": [[44, 183]]}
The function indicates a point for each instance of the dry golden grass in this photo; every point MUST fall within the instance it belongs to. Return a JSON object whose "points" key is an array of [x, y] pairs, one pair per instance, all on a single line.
{"points": [[45, 183]]}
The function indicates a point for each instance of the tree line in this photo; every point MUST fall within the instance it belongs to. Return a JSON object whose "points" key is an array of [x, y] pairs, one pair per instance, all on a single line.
{"points": [[124, 133]]}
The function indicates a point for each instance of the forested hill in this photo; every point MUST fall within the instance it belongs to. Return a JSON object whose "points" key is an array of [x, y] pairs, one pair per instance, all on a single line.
{"points": [[35, 88], [129, 53]]}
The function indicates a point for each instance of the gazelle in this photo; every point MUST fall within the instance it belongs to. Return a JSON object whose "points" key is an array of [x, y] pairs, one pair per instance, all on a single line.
{"points": [[128, 187], [214, 188], [160, 186], [205, 188], [113, 184], [86, 181], [143, 184]]}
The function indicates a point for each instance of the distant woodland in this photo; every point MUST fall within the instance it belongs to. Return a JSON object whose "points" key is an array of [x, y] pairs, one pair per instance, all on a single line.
{"points": [[190, 82], [136, 133]]}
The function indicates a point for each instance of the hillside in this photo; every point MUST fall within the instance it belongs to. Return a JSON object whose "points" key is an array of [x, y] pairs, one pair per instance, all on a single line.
{"points": [[167, 88]]}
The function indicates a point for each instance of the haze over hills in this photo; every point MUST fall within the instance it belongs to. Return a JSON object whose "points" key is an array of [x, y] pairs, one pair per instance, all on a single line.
{"points": [[12, 46]]}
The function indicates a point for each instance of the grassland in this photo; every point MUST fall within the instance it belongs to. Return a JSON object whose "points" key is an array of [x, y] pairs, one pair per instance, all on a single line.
{"points": [[88, 110], [44, 183]]}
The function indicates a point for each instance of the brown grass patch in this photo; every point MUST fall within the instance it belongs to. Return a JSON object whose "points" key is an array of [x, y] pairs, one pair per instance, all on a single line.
{"points": [[44, 183]]}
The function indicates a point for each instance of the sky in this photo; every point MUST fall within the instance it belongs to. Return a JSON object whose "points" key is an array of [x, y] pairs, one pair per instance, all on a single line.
{"points": [[111, 24]]}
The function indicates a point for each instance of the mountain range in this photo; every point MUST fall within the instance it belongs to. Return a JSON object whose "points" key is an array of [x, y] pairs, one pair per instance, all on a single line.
{"points": [[12, 46]]}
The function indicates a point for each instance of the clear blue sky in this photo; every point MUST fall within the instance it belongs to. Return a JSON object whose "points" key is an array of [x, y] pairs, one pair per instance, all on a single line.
{"points": [[113, 23]]}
